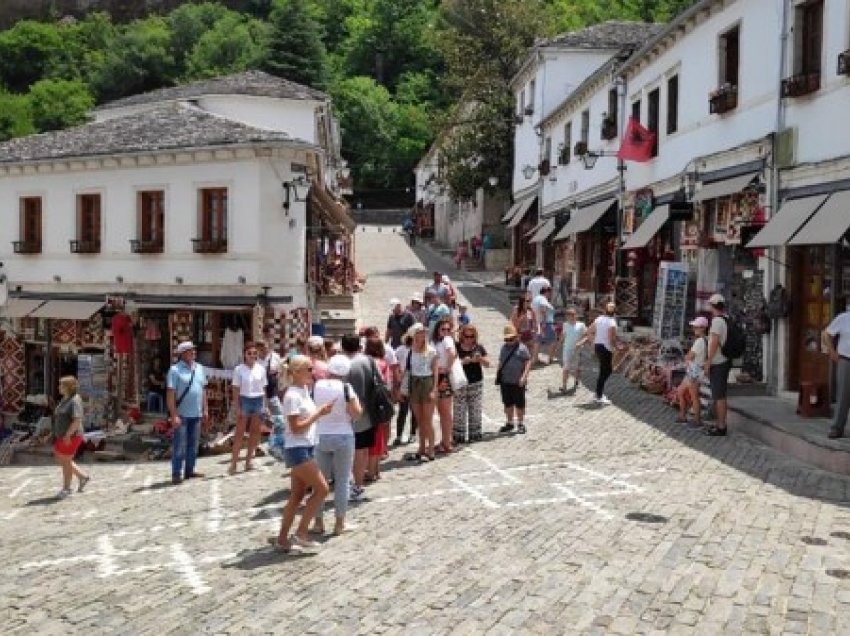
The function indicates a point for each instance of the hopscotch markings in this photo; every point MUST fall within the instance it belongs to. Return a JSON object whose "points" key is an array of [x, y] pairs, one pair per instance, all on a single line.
{"points": [[184, 564], [583, 502], [216, 512], [21, 473], [107, 566], [474, 492], [494, 468], [20, 488], [129, 472]]}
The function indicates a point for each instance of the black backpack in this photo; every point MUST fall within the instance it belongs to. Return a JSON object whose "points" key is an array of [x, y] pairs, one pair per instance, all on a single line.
{"points": [[736, 340], [380, 400]]}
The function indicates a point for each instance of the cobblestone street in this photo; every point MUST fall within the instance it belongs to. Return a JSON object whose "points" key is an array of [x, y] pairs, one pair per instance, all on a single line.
{"points": [[599, 520]]}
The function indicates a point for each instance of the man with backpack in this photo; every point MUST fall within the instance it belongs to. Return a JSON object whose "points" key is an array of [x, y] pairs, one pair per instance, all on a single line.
{"points": [[725, 343]]}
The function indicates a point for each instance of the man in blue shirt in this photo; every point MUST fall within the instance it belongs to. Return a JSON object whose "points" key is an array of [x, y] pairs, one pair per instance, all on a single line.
{"points": [[544, 313], [186, 397], [436, 310]]}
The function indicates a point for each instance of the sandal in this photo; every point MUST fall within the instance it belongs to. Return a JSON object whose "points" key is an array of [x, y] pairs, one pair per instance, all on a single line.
{"points": [[412, 457]]}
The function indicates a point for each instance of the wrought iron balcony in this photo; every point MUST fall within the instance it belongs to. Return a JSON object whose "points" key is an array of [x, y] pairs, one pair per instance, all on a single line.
{"points": [[800, 84], [723, 100], [146, 247], [27, 247], [209, 246], [85, 247]]}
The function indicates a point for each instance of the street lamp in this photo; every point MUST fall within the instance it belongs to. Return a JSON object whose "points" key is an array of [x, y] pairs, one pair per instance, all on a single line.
{"points": [[591, 156], [493, 181]]}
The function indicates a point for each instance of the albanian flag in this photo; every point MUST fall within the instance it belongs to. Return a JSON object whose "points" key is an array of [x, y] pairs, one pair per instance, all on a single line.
{"points": [[637, 143]]}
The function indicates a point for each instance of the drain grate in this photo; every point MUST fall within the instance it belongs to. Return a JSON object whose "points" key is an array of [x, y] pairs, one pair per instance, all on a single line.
{"points": [[839, 574], [813, 540], [840, 535], [646, 517]]}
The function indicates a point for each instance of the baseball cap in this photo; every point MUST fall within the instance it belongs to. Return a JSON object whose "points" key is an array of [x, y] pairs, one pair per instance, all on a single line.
{"points": [[394, 302], [415, 328], [416, 298], [699, 321], [183, 347], [339, 365], [716, 299]]}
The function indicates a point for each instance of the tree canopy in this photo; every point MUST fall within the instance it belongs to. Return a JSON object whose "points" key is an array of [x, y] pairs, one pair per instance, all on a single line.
{"points": [[400, 72]]}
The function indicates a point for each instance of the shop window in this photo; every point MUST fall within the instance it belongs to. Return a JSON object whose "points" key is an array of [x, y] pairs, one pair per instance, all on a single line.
{"points": [[653, 105], [150, 222], [29, 237], [636, 110], [212, 222], [88, 225], [729, 49], [672, 104]]}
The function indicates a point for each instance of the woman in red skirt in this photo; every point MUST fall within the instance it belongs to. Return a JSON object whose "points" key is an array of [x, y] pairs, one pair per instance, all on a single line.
{"points": [[68, 435]]}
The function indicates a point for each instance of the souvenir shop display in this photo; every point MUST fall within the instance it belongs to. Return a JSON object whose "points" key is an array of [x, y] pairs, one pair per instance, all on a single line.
{"points": [[670, 301]]}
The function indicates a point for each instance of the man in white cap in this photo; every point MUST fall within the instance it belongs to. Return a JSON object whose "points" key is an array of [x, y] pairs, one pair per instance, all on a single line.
{"points": [[417, 308], [398, 323], [186, 398], [717, 366]]}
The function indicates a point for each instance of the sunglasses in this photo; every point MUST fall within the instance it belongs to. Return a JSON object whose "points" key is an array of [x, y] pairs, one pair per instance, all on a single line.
{"points": [[469, 335], [250, 353]]}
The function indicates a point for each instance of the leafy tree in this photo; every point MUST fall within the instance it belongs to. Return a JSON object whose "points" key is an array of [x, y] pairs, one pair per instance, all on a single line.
{"points": [[189, 22], [26, 51], [85, 46], [295, 50], [140, 61], [235, 43], [56, 104], [15, 117], [567, 15]]}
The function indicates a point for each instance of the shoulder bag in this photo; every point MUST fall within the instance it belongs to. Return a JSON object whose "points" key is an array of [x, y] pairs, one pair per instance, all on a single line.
{"points": [[457, 376], [502, 366], [381, 409]]}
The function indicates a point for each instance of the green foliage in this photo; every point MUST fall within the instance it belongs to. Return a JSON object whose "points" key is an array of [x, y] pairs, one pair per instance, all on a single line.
{"points": [[56, 104], [189, 22], [26, 52], [15, 117], [295, 50], [234, 44], [567, 15]]}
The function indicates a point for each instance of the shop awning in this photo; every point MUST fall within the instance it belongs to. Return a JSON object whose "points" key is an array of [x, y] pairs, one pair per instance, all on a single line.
{"points": [[522, 211], [19, 307], [649, 228], [511, 211], [725, 188], [584, 219], [790, 218], [828, 224], [67, 309], [544, 231], [533, 230]]}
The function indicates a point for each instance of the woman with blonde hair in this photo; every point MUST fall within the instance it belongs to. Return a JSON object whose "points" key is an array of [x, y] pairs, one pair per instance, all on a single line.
{"points": [[444, 344], [422, 392], [301, 414], [249, 395], [68, 435]]}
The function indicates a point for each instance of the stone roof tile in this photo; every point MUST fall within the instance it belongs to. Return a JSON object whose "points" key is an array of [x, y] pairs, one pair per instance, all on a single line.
{"points": [[612, 34]]}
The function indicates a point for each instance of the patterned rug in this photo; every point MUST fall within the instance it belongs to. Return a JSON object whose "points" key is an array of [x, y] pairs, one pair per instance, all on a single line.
{"points": [[12, 375]]}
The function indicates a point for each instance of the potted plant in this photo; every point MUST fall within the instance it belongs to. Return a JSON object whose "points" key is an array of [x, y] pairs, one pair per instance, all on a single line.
{"points": [[580, 148], [608, 130]]}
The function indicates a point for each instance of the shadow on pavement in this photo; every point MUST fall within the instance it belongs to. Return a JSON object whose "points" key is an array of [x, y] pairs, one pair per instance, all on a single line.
{"points": [[264, 557], [44, 501]]}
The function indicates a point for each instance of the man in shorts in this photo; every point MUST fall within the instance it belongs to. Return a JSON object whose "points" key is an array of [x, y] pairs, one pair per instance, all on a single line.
{"points": [[512, 375], [361, 379], [544, 314], [574, 331], [717, 366]]}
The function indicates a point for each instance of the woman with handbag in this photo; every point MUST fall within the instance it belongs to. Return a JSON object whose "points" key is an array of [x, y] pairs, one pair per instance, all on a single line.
{"points": [[468, 399], [444, 344], [423, 394], [68, 435]]}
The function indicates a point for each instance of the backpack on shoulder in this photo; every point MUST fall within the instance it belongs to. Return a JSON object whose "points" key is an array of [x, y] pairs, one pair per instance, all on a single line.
{"points": [[736, 340]]}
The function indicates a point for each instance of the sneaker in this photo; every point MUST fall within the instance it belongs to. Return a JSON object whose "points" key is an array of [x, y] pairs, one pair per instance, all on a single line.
{"points": [[507, 428], [397, 442], [83, 482], [603, 401], [356, 495], [65, 492], [715, 432], [520, 428]]}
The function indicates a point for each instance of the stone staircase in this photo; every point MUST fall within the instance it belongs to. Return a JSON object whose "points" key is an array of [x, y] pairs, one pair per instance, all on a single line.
{"points": [[337, 314]]}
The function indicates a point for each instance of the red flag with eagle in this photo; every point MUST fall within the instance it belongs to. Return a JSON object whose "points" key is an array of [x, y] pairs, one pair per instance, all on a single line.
{"points": [[637, 142]]}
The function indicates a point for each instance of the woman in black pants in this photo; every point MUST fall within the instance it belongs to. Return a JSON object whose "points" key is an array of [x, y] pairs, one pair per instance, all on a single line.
{"points": [[402, 355], [603, 331]]}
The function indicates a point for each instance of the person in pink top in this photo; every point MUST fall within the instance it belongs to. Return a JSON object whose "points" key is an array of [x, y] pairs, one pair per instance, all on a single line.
{"points": [[375, 349], [318, 355]]}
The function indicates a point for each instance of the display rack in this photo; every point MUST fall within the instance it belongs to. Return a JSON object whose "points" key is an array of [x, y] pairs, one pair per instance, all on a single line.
{"points": [[670, 301]]}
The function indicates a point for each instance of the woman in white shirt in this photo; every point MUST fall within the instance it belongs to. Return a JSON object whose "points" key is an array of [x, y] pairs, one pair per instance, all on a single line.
{"points": [[422, 390], [603, 331], [689, 387], [335, 445], [249, 398], [444, 343], [301, 414]]}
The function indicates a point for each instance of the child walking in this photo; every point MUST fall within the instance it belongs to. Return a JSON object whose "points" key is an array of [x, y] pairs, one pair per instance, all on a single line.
{"points": [[574, 332]]}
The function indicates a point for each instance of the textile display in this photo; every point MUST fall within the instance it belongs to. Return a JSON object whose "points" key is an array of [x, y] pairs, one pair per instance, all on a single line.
{"points": [[92, 333], [180, 326], [12, 374], [122, 333], [258, 321], [273, 329], [627, 297], [64, 332], [231, 347], [297, 326]]}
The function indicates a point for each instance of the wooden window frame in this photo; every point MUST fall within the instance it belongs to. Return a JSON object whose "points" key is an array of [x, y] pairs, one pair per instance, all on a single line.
{"points": [[89, 223], [585, 126], [653, 116], [150, 222], [213, 211], [30, 225], [672, 104], [729, 52], [808, 46], [566, 152]]}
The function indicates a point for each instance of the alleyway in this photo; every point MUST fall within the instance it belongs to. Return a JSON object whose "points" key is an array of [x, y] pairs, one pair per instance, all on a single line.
{"points": [[599, 520]]}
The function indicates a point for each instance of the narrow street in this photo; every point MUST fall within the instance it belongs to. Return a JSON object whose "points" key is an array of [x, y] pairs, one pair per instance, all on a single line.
{"points": [[599, 520]]}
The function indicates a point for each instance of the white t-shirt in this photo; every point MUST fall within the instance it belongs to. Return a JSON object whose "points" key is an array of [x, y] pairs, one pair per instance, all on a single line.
{"points": [[840, 326], [420, 363], [297, 401], [700, 350], [390, 356], [401, 354], [444, 348], [603, 325], [536, 284], [251, 381], [271, 363], [718, 326], [337, 422]]}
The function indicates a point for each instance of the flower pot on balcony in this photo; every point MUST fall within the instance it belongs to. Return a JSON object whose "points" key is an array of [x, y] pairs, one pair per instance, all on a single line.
{"points": [[800, 84], [580, 148], [723, 100], [608, 130]]}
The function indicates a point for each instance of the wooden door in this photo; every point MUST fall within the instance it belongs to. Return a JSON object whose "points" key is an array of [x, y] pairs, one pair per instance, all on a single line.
{"points": [[812, 312]]}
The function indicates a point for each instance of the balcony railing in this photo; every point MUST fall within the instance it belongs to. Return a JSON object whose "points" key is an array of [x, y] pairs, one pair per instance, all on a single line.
{"points": [[723, 100], [800, 84], [209, 246], [85, 247], [146, 247], [844, 63], [27, 247]]}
